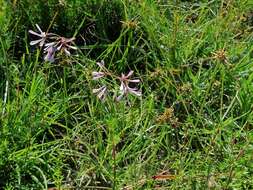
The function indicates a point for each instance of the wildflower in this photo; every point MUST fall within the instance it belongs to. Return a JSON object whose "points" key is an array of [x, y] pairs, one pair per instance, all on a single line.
{"points": [[101, 64], [100, 74], [63, 44], [97, 75], [43, 36], [124, 88], [101, 92], [50, 53]]}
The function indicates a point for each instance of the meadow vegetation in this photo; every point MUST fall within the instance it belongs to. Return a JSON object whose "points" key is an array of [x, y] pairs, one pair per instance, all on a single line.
{"points": [[189, 125]]}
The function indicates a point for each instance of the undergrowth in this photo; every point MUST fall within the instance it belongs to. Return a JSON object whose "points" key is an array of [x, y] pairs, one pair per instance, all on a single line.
{"points": [[190, 129]]}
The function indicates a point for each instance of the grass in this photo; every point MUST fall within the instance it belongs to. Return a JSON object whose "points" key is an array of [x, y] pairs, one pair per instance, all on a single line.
{"points": [[192, 127]]}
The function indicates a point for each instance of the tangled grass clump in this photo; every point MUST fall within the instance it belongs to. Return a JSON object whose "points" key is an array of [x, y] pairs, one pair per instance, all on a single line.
{"points": [[191, 64]]}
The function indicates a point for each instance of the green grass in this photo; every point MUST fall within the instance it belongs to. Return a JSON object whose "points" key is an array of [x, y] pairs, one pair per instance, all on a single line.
{"points": [[193, 122]]}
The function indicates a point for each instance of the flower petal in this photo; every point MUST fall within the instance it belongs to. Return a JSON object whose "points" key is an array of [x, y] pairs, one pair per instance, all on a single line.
{"points": [[42, 42], [123, 88], [96, 90], [59, 47], [129, 74], [101, 94], [67, 52], [97, 75], [119, 97], [101, 64], [35, 42], [134, 80], [70, 40], [72, 47], [34, 33], [49, 57], [134, 91], [52, 36], [38, 28], [50, 54]]}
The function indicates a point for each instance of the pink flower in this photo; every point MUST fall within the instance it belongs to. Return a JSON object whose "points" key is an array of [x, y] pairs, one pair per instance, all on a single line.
{"points": [[50, 53], [101, 92], [101, 64], [43, 36], [63, 44], [97, 75], [125, 89]]}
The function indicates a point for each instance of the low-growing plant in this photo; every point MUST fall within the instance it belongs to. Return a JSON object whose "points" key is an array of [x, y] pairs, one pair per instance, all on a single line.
{"points": [[126, 94]]}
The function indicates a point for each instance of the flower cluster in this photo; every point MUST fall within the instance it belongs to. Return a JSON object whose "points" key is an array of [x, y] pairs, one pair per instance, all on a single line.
{"points": [[52, 43], [124, 80]]}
